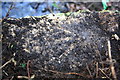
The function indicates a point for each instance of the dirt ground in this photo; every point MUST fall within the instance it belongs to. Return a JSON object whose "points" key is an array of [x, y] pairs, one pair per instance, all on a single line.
{"points": [[70, 47]]}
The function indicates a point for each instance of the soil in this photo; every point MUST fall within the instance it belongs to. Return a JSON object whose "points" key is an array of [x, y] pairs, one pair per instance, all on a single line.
{"points": [[72, 46]]}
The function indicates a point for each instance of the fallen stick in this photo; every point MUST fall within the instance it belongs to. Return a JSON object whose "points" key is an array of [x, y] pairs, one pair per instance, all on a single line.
{"points": [[111, 62], [89, 70], [28, 69], [69, 73], [6, 63], [104, 73], [26, 77]]}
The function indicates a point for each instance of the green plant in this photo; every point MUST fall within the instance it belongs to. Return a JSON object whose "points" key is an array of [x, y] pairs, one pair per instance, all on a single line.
{"points": [[104, 2]]}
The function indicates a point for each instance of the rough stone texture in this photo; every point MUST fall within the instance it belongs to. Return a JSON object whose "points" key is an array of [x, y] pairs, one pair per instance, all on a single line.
{"points": [[61, 44]]}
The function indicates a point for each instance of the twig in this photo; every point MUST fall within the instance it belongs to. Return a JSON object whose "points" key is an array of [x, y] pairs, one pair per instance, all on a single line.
{"points": [[100, 57], [111, 61], [97, 70], [88, 7], [11, 7], [20, 77], [28, 70], [7, 14], [88, 70], [49, 8], [74, 73], [6, 63], [5, 72], [11, 60], [12, 78], [104, 73]]}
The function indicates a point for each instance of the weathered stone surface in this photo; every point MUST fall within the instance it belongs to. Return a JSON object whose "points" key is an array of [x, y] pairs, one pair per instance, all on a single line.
{"points": [[63, 44]]}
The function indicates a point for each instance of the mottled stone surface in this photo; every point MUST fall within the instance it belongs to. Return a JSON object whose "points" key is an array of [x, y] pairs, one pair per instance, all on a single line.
{"points": [[63, 44]]}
